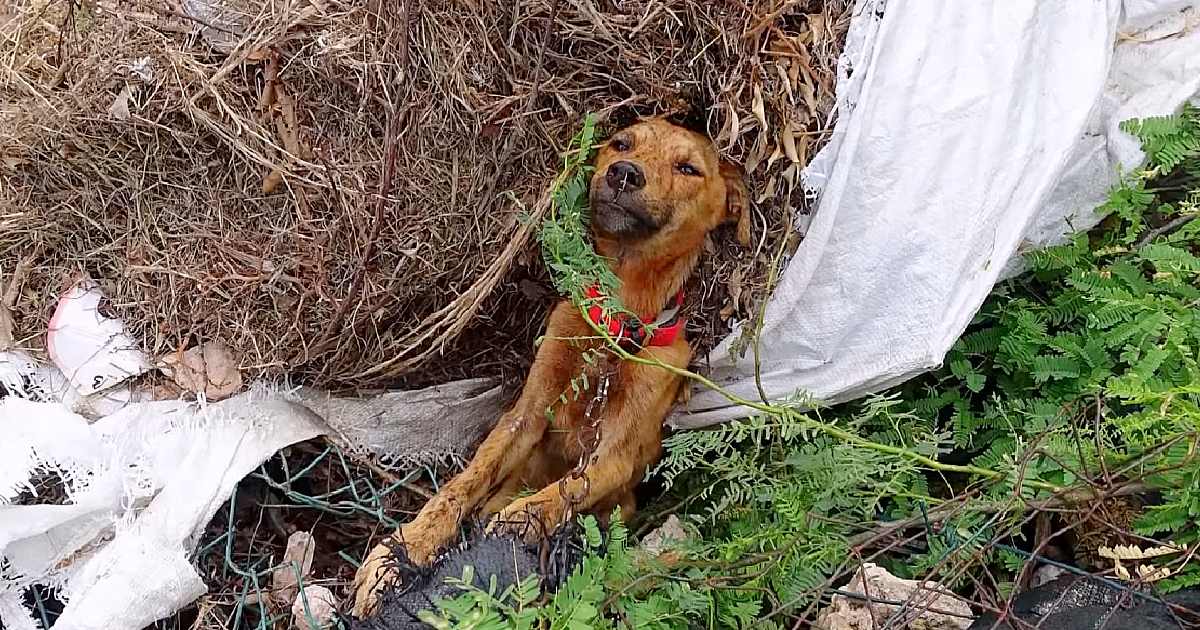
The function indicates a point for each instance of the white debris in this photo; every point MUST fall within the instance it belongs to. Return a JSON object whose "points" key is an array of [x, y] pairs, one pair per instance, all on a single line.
{"points": [[1046, 574], [141, 485], [143, 481], [220, 23], [1007, 138], [888, 601], [315, 608], [91, 348], [297, 562], [669, 533], [143, 68], [119, 108]]}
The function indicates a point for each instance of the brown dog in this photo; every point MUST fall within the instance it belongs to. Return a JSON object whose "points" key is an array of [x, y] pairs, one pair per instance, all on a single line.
{"points": [[657, 191]]}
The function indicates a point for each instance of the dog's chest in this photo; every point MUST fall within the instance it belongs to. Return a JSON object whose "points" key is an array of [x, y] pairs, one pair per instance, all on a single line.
{"points": [[578, 418]]}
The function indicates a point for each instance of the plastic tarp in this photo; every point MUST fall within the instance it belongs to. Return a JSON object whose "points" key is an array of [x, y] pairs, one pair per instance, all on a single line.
{"points": [[142, 481], [967, 132]]}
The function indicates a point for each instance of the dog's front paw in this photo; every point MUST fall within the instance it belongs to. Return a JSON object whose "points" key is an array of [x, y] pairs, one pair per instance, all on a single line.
{"points": [[377, 573], [526, 519]]}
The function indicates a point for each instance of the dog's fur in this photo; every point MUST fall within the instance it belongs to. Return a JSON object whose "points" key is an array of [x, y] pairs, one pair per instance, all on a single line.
{"points": [[656, 193]]}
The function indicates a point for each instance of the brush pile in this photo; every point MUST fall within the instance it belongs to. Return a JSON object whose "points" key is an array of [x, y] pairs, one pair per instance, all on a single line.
{"points": [[349, 192]]}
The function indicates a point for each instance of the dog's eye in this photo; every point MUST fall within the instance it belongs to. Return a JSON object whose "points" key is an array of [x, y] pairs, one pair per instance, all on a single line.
{"points": [[687, 169], [620, 144]]}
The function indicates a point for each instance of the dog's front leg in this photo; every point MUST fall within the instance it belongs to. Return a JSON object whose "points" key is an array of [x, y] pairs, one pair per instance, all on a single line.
{"points": [[630, 441], [505, 448], [535, 516]]}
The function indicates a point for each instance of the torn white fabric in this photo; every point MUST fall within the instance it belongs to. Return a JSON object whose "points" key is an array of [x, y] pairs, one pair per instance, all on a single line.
{"points": [[142, 484], [143, 481], [403, 428], [966, 132], [22, 376], [14, 615]]}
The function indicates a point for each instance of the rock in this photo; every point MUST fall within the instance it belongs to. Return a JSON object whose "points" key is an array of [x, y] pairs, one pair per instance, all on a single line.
{"points": [[297, 562], [321, 612], [668, 533], [925, 605], [1045, 574]]}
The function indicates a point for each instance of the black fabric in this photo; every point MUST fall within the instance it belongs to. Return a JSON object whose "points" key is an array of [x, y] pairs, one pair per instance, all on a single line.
{"points": [[503, 558], [1075, 602]]}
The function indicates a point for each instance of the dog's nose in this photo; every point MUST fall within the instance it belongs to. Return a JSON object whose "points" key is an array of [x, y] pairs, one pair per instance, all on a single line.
{"points": [[625, 175]]}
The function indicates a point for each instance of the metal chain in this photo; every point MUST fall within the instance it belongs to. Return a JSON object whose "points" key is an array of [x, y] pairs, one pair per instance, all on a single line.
{"points": [[592, 415]]}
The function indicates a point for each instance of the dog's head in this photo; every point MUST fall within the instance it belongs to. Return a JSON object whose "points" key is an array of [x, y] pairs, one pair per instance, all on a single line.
{"points": [[657, 183]]}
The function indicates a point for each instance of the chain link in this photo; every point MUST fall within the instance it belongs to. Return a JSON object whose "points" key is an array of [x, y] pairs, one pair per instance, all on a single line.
{"points": [[592, 415]]}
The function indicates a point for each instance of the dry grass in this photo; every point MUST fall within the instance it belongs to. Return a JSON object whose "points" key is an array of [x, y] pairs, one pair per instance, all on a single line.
{"points": [[222, 167]]}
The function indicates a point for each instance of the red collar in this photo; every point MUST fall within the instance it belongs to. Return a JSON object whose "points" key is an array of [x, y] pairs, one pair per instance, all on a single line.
{"points": [[668, 324]]}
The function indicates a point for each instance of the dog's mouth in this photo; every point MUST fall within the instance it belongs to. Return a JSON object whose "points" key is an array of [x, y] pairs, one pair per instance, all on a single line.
{"points": [[622, 216]]}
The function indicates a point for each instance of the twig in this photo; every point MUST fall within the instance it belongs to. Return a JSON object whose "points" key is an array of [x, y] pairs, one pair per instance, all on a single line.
{"points": [[1165, 229], [1113, 584], [8, 301], [766, 20], [768, 290], [816, 425], [393, 478], [891, 602], [391, 141], [943, 511]]}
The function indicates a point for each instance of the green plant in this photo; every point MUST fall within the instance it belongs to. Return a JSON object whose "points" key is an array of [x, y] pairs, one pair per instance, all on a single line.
{"points": [[566, 246], [604, 588], [1078, 379]]}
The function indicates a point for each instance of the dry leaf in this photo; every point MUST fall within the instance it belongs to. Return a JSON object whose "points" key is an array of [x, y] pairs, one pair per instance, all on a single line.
{"points": [[120, 105], [786, 78], [668, 534], [789, 142], [297, 563], [757, 153], [209, 369], [791, 175], [769, 191], [810, 97], [775, 155], [262, 53], [286, 125], [816, 26], [735, 127], [1122, 573], [1130, 552], [272, 181], [734, 285], [1150, 573], [743, 231], [756, 105], [316, 609]]}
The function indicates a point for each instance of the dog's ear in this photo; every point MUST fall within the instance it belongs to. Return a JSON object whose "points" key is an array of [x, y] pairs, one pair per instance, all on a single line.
{"points": [[737, 200]]}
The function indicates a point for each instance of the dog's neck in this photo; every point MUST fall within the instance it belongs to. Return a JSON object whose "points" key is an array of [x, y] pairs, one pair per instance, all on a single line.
{"points": [[648, 281]]}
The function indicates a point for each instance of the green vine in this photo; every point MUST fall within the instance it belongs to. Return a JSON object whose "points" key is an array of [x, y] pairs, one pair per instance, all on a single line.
{"points": [[1076, 382]]}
